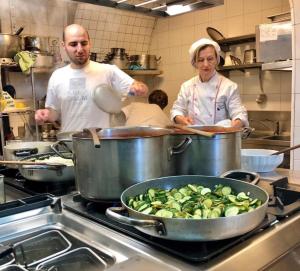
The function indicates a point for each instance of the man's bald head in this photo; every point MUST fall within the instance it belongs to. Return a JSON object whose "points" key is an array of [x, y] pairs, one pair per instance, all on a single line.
{"points": [[74, 29]]}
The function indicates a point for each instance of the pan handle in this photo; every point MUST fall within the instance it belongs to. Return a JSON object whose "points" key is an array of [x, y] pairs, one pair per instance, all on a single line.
{"points": [[236, 174], [114, 214]]}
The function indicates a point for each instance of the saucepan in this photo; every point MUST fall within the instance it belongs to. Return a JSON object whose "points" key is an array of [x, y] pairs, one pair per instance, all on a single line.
{"points": [[191, 229], [61, 171]]}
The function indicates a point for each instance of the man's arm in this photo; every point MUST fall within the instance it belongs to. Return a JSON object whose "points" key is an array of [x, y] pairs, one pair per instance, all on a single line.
{"points": [[45, 115], [138, 88]]}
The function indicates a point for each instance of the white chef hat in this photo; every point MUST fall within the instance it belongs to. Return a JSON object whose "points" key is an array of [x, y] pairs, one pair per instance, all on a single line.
{"points": [[199, 44]]}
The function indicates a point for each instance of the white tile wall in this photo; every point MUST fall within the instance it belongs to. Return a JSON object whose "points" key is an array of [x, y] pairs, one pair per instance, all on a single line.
{"points": [[235, 17], [110, 28]]}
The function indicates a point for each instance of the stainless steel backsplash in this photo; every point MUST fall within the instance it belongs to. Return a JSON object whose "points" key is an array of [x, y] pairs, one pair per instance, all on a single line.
{"points": [[266, 120]]}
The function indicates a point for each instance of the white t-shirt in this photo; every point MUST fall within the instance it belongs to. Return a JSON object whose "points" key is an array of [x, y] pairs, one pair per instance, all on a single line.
{"points": [[210, 102], [139, 114], [70, 94]]}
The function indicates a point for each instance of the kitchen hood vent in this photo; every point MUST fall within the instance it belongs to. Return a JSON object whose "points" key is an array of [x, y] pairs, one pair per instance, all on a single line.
{"points": [[157, 8]]}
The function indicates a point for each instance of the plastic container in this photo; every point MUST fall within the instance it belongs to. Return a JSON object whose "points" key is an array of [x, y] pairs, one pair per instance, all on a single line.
{"points": [[260, 160]]}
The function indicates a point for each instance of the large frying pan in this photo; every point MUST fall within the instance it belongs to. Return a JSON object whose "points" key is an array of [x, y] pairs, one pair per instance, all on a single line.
{"points": [[191, 229]]}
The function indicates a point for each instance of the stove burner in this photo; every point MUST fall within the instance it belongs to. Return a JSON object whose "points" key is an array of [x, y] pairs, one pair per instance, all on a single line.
{"points": [[35, 187]]}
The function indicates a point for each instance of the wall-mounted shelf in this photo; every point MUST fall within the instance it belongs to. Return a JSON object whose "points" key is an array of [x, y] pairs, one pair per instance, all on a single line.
{"points": [[143, 72], [242, 67], [225, 43]]}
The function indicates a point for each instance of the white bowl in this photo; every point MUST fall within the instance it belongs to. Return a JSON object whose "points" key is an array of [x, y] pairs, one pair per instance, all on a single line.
{"points": [[260, 160]]}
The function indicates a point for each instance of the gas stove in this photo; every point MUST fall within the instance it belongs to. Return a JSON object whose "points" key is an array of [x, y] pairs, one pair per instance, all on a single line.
{"points": [[274, 245]]}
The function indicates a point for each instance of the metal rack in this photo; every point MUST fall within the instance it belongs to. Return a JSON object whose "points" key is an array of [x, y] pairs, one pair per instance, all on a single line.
{"points": [[14, 67]]}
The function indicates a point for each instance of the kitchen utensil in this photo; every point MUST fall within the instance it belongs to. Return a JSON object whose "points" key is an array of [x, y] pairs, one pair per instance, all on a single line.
{"points": [[249, 56], [145, 61], [191, 229], [10, 44], [198, 155], [192, 130], [127, 155], [107, 99], [260, 160], [36, 44], [286, 150], [214, 34], [46, 173], [235, 60], [30, 163]]}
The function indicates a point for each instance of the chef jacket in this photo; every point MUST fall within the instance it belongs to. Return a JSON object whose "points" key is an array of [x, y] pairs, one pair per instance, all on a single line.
{"points": [[209, 102]]}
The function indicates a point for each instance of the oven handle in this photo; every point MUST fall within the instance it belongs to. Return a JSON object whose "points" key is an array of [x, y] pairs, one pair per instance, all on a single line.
{"points": [[114, 213]]}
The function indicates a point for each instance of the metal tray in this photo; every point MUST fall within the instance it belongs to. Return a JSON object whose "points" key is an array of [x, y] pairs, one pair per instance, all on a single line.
{"points": [[41, 247], [76, 260]]}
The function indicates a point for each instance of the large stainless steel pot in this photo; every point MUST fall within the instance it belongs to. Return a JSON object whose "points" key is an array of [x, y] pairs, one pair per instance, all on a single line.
{"points": [[18, 150], [195, 154], [36, 43], [147, 62], [9, 45], [126, 156], [191, 229], [46, 173]]}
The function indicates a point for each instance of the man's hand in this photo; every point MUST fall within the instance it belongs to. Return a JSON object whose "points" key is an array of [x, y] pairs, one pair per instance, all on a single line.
{"points": [[183, 120], [45, 115], [138, 88]]}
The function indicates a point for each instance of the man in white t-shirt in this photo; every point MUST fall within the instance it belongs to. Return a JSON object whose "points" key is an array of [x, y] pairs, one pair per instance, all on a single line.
{"points": [[69, 95]]}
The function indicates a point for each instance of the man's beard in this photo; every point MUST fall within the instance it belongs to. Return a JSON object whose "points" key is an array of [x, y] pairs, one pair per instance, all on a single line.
{"points": [[78, 61]]}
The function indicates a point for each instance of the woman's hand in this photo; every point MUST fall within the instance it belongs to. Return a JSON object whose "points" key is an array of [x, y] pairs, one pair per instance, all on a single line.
{"points": [[183, 120], [237, 123]]}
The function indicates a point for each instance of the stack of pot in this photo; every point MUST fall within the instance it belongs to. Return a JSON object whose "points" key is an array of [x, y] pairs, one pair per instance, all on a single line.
{"points": [[134, 154], [145, 61], [118, 57]]}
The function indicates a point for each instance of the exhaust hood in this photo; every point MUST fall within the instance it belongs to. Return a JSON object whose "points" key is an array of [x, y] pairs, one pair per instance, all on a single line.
{"points": [[157, 8]]}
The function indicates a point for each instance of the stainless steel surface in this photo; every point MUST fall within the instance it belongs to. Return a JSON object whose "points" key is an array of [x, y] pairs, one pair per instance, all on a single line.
{"points": [[9, 45], [188, 229], [195, 154], [253, 254], [155, 8], [274, 50], [126, 156], [43, 60]]}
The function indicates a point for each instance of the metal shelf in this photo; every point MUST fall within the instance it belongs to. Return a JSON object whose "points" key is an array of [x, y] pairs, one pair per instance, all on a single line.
{"points": [[143, 72], [225, 43], [242, 67]]}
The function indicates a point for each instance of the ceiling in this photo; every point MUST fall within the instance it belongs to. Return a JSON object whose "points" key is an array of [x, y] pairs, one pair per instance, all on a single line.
{"points": [[157, 8]]}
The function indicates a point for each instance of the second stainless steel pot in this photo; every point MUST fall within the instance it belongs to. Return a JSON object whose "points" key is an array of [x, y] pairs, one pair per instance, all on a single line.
{"points": [[9, 45], [147, 62], [196, 154], [126, 156]]}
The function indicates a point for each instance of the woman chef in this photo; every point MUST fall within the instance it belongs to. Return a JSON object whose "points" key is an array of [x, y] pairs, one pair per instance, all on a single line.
{"points": [[208, 98]]}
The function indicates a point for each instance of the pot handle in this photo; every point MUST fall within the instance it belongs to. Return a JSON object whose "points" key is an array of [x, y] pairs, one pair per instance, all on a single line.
{"points": [[180, 148], [114, 214], [26, 152], [247, 175], [95, 137]]}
